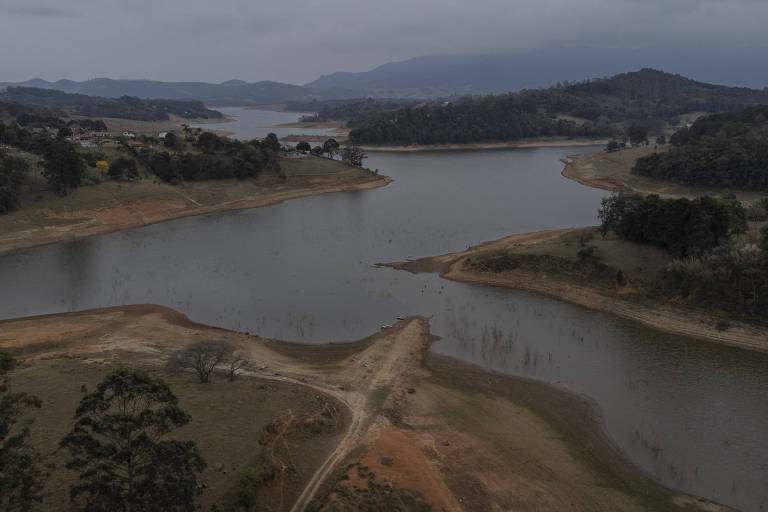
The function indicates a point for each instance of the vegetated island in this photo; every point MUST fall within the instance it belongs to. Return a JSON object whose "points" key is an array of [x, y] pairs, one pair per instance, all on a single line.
{"points": [[595, 109], [62, 180], [377, 424], [696, 268]]}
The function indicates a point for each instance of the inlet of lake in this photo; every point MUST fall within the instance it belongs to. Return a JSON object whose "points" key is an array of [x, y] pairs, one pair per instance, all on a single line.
{"points": [[693, 414]]}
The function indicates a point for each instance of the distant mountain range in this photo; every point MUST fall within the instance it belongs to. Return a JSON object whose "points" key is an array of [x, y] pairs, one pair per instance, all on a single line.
{"points": [[442, 76], [436, 76], [230, 93]]}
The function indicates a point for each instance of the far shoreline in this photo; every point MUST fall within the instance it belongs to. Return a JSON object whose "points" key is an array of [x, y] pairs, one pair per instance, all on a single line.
{"points": [[521, 143]]}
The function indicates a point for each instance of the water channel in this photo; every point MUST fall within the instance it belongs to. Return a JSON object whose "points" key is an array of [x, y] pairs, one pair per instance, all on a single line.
{"points": [[693, 414]]}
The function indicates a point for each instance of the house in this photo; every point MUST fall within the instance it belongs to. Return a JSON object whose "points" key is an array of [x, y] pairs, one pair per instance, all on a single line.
{"points": [[129, 135], [136, 144], [162, 135]]}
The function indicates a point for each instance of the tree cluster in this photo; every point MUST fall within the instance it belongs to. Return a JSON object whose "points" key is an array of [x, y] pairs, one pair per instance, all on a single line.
{"points": [[725, 150], [684, 227], [219, 158]]}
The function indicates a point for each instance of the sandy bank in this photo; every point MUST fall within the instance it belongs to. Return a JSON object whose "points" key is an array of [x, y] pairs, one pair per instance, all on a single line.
{"points": [[658, 313], [112, 206], [522, 143], [425, 427]]}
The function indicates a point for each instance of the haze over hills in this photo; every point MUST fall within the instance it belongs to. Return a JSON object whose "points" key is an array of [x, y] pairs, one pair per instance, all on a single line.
{"points": [[442, 76], [229, 93], [435, 76]]}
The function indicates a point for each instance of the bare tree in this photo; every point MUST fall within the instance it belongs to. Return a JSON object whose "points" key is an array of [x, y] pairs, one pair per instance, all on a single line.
{"points": [[203, 357], [236, 362]]}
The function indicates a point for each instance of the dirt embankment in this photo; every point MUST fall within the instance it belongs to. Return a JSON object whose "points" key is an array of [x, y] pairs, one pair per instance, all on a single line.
{"points": [[46, 218], [522, 143], [658, 313], [422, 430], [613, 171]]}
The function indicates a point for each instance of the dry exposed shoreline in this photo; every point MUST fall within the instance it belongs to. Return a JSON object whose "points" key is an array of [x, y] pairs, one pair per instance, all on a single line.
{"points": [[613, 172], [170, 203], [522, 143], [661, 315], [403, 401]]}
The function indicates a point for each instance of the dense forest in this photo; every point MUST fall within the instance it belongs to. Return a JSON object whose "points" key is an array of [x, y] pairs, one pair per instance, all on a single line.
{"points": [[352, 110], [125, 107], [723, 150], [718, 262], [684, 227], [595, 108]]}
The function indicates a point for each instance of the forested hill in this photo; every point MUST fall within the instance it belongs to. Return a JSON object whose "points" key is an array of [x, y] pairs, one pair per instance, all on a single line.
{"points": [[724, 150], [595, 108], [125, 107]]}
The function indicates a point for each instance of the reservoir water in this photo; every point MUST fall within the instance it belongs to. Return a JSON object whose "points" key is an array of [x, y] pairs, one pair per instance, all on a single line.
{"points": [[692, 414]]}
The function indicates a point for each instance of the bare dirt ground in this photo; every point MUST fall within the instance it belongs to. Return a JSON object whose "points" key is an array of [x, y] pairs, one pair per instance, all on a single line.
{"points": [[423, 431], [522, 143], [46, 218], [612, 171], [659, 314]]}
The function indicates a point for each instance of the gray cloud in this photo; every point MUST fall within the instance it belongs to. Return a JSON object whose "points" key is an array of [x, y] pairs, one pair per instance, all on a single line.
{"points": [[296, 40], [32, 9]]}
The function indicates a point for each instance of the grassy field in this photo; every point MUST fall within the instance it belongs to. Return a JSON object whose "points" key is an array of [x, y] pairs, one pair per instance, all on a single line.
{"points": [[228, 421]]}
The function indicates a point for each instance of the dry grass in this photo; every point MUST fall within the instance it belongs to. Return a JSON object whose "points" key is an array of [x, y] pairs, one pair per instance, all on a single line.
{"points": [[227, 422]]}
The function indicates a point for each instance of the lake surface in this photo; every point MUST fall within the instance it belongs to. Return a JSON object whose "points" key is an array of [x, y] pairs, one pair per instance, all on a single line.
{"points": [[693, 414], [251, 123]]}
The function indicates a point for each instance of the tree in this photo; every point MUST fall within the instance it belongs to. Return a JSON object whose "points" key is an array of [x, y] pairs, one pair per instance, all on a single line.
{"points": [[271, 142], [612, 146], [117, 446], [236, 362], [303, 147], [63, 166], [203, 357], [637, 134], [661, 140], [353, 155], [317, 150], [12, 171], [330, 147], [20, 475], [123, 169], [170, 140]]}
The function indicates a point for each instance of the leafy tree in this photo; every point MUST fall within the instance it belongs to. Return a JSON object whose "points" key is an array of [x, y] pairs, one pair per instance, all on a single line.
{"points": [[317, 150], [170, 140], [271, 142], [353, 155], [637, 135], [612, 146], [63, 166], [12, 171], [117, 446], [303, 147], [330, 147], [661, 140], [20, 475], [203, 357], [123, 169]]}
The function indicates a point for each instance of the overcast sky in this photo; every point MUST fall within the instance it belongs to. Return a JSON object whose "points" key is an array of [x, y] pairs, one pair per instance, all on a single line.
{"points": [[297, 40]]}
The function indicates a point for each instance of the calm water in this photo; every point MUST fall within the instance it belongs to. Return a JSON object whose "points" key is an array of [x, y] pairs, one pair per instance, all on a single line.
{"points": [[251, 123], [693, 414]]}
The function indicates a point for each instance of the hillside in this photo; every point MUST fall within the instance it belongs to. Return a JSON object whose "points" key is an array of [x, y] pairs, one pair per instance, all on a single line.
{"points": [[725, 150], [125, 107], [594, 108], [435, 76]]}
